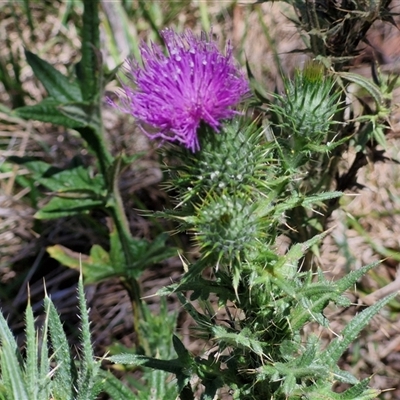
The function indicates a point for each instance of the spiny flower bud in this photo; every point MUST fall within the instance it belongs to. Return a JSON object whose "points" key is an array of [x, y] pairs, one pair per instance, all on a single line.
{"points": [[307, 108], [226, 228], [237, 159]]}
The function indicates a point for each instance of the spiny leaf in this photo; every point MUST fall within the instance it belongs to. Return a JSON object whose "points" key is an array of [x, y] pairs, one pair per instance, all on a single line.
{"points": [[63, 381], [31, 364], [115, 388], [366, 84], [351, 278], [11, 362], [88, 381], [243, 339], [339, 345]]}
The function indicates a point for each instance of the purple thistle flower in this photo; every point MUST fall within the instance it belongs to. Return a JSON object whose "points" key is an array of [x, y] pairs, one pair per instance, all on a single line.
{"points": [[173, 94]]}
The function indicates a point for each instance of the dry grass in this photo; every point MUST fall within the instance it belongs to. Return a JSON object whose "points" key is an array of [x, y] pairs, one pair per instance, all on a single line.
{"points": [[376, 207]]}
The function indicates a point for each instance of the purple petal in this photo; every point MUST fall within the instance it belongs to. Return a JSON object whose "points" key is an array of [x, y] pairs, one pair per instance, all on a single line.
{"points": [[173, 94]]}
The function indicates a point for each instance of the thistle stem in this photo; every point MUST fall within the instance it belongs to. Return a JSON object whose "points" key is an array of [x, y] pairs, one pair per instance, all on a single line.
{"points": [[117, 212]]}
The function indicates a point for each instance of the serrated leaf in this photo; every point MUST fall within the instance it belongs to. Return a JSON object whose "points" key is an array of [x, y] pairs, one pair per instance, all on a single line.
{"points": [[88, 384], [44, 364], [147, 253], [11, 363], [202, 320], [31, 363], [305, 201], [366, 84], [339, 345], [351, 278], [300, 314], [360, 391], [287, 265], [115, 388], [59, 207], [243, 339], [344, 376], [62, 89], [63, 381], [379, 135], [85, 326], [48, 111]]}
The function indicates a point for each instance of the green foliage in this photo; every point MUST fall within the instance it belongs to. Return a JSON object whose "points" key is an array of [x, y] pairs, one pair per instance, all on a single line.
{"points": [[100, 264], [157, 384], [40, 374], [257, 348]]}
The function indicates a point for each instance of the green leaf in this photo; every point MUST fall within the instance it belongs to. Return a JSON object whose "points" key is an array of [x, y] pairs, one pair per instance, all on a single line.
{"points": [[89, 383], [183, 354], [344, 376], [202, 320], [339, 345], [95, 267], [366, 84], [48, 110], [63, 382], [59, 207], [11, 361], [351, 278], [115, 388], [31, 364], [172, 366], [144, 253], [302, 313], [88, 356], [379, 135], [305, 201], [287, 265], [360, 391], [244, 339], [57, 85], [44, 365], [84, 113], [75, 178]]}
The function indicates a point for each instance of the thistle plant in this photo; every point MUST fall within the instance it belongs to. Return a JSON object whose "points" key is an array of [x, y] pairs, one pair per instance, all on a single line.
{"points": [[46, 369], [245, 169], [236, 192]]}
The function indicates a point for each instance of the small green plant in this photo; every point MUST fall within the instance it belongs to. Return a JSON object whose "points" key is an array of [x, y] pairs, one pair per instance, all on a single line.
{"points": [[46, 369]]}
